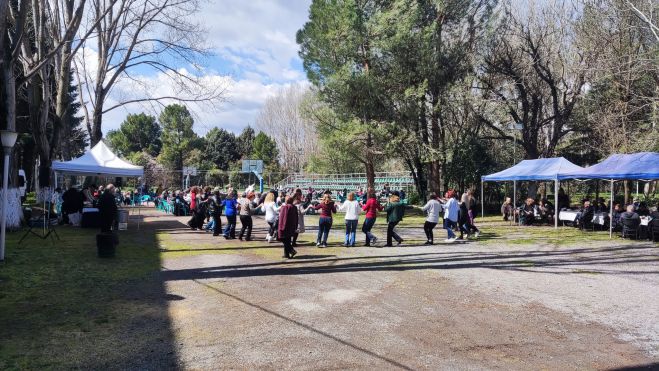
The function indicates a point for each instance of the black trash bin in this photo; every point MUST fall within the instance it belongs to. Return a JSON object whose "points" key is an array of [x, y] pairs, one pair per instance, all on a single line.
{"points": [[106, 244]]}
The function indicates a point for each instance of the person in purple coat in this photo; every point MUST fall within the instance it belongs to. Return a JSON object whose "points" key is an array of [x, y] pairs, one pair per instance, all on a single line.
{"points": [[288, 222]]}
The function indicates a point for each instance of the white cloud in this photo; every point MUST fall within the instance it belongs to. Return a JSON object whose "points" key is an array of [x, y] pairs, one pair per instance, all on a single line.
{"points": [[256, 56]]}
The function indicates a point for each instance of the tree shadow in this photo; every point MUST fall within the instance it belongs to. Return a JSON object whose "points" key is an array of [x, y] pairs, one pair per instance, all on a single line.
{"points": [[77, 311], [571, 261]]}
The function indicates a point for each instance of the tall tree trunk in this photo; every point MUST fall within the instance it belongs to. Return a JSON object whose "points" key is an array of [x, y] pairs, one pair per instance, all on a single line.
{"points": [[435, 164], [96, 133], [369, 163], [62, 102], [10, 107]]}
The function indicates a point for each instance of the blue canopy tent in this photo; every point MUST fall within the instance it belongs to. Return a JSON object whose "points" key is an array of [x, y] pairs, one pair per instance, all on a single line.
{"points": [[533, 170], [633, 166]]}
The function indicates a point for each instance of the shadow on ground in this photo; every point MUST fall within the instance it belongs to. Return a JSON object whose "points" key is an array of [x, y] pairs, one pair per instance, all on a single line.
{"points": [[61, 307]]}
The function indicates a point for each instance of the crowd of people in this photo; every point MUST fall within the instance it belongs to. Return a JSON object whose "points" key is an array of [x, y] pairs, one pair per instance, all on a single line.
{"points": [[540, 210], [284, 212]]}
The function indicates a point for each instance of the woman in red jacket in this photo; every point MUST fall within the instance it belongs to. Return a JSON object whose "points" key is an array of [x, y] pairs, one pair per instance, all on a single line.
{"points": [[287, 226], [327, 208], [371, 208]]}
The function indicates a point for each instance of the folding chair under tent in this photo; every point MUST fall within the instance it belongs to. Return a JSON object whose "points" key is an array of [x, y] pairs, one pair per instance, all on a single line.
{"points": [[542, 169], [98, 161], [642, 166]]}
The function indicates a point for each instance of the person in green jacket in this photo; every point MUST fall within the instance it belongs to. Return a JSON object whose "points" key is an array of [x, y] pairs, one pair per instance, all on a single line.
{"points": [[395, 211]]}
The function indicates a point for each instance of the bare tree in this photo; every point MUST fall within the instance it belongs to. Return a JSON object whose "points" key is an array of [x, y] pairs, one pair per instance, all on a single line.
{"points": [[282, 119], [534, 74], [645, 11], [156, 35]]}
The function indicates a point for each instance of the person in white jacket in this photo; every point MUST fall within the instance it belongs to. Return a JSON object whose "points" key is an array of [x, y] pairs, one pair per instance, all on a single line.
{"points": [[271, 213], [451, 209], [432, 209], [352, 209]]}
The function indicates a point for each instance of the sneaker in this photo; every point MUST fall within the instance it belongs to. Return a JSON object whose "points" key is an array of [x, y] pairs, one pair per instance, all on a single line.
{"points": [[374, 240], [324, 245], [400, 242], [317, 244], [477, 234], [293, 253], [453, 239], [428, 243], [267, 237]]}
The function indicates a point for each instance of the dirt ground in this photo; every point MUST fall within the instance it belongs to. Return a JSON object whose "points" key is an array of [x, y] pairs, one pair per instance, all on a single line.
{"points": [[475, 305]]}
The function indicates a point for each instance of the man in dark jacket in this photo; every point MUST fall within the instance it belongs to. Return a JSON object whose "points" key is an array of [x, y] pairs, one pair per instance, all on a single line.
{"points": [[288, 222], [215, 211], [395, 211], [107, 208], [72, 202], [586, 215]]}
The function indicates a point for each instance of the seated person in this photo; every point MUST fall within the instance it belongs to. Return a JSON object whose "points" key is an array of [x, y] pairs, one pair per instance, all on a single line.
{"points": [[586, 214], [617, 212], [654, 222], [507, 209], [655, 214], [546, 210], [643, 209], [601, 206], [630, 218], [563, 200], [527, 213]]}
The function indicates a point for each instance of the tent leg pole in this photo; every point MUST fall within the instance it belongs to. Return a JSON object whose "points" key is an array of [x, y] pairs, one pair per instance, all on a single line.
{"points": [[556, 210], [482, 202], [514, 199], [611, 213]]}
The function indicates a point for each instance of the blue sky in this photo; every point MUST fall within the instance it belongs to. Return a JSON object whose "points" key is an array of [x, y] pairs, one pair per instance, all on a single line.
{"points": [[255, 50]]}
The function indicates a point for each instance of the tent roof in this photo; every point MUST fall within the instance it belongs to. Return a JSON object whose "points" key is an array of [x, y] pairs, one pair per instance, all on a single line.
{"points": [[99, 160], [642, 165], [540, 169]]}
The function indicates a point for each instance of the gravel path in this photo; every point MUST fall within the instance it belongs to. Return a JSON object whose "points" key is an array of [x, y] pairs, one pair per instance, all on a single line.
{"points": [[464, 306]]}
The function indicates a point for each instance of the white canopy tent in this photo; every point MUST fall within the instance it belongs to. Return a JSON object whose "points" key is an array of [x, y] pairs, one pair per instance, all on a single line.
{"points": [[98, 161]]}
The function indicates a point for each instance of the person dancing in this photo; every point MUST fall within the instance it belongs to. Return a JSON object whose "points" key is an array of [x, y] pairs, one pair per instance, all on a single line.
{"points": [[395, 211], [246, 207], [432, 208], [230, 210], [371, 208], [288, 223], [352, 209], [301, 210], [271, 210], [451, 210], [327, 208]]}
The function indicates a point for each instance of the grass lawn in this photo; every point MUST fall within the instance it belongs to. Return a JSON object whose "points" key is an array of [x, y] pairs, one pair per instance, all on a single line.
{"points": [[62, 307]]}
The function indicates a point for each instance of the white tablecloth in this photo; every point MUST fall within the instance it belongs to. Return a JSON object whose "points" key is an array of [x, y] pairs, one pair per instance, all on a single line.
{"points": [[568, 215]]}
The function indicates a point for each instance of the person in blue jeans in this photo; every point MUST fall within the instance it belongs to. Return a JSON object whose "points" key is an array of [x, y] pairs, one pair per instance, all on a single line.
{"points": [[352, 210], [451, 210], [371, 207], [327, 208], [230, 211]]}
